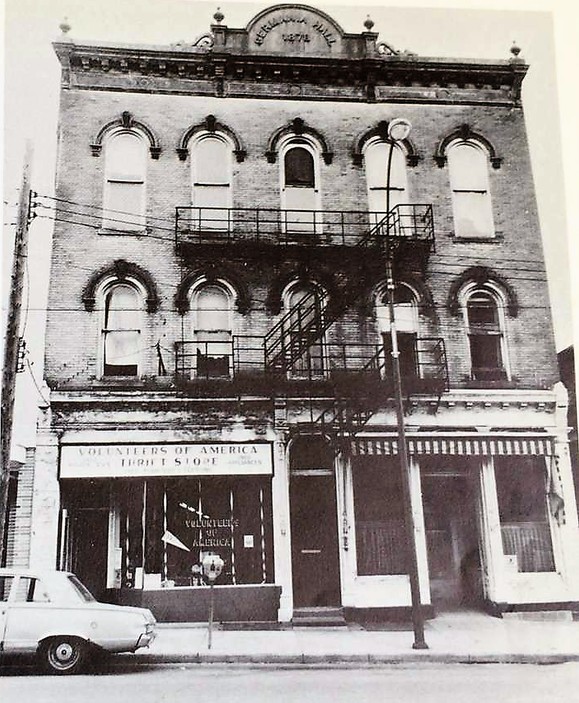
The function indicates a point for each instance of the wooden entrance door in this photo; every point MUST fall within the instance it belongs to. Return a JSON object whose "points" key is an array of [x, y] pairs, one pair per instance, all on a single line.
{"points": [[314, 529]]}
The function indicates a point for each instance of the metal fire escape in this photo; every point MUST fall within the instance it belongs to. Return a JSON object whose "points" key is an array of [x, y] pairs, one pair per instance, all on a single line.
{"points": [[295, 356], [358, 393]]}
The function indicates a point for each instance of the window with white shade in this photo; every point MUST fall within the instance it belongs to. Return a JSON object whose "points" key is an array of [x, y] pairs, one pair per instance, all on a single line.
{"points": [[212, 319], [469, 182], [376, 164], [300, 187], [121, 332], [212, 174], [125, 170]]}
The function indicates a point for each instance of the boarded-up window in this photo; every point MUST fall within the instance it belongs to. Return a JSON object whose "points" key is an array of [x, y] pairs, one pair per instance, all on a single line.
{"points": [[376, 162], [300, 191]]}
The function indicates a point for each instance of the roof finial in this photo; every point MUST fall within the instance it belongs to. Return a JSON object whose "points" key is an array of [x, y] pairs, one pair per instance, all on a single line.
{"points": [[64, 26], [368, 23], [219, 16], [515, 50]]}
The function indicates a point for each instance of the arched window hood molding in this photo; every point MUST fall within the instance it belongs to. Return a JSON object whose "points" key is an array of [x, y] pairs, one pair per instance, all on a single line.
{"points": [[120, 271], [213, 126], [481, 275], [126, 121], [297, 127], [380, 131], [213, 274], [303, 274], [465, 133], [424, 299]]}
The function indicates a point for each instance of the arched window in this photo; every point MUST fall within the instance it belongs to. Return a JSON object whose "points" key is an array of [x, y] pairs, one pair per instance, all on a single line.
{"points": [[300, 193], [299, 168], [212, 166], [469, 182], [121, 330], [212, 322], [406, 319], [484, 319], [376, 163], [305, 303], [125, 170]]}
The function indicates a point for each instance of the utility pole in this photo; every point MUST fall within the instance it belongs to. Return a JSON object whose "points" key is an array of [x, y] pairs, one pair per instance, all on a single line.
{"points": [[12, 340]]}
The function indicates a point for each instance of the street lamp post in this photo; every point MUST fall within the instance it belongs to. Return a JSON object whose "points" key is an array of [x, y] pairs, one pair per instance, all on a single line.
{"points": [[398, 130]]}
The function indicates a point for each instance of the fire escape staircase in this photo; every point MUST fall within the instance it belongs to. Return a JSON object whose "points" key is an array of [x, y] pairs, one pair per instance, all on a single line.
{"points": [[354, 402]]}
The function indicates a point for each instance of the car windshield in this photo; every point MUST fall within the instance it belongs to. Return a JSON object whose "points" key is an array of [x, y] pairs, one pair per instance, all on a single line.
{"points": [[81, 589]]}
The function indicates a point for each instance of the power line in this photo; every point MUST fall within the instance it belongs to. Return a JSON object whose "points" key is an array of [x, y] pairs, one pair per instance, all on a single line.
{"points": [[98, 224], [96, 207], [104, 215], [472, 259], [29, 367]]}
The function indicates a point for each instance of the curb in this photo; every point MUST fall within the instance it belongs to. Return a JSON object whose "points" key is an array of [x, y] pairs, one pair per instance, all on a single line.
{"points": [[348, 660]]}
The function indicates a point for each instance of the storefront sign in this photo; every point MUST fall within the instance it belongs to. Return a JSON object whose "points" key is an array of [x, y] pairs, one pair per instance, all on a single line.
{"points": [[128, 460]]}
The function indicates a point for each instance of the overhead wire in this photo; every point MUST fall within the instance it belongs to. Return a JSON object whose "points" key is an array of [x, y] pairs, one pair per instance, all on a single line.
{"points": [[472, 259], [38, 389], [105, 214]]}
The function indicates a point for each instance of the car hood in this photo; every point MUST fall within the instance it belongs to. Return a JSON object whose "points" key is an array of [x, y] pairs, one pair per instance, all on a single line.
{"points": [[145, 612]]}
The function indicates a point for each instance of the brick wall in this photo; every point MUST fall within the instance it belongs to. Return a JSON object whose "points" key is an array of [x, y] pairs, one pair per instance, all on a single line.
{"points": [[72, 332], [19, 516]]}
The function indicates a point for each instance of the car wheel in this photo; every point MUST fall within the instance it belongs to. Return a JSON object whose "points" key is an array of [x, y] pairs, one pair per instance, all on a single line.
{"points": [[63, 655]]}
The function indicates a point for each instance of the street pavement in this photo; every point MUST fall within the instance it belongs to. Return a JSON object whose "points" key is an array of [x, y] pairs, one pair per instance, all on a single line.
{"points": [[395, 683], [451, 638]]}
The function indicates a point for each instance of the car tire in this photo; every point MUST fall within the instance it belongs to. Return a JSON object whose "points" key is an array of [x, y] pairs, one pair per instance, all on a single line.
{"points": [[63, 655]]}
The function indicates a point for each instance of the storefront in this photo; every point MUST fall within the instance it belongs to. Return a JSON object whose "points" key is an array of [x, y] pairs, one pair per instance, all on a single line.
{"points": [[489, 519], [137, 520], [322, 530]]}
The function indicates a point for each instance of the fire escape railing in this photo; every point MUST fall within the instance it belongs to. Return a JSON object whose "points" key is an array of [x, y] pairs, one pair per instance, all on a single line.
{"points": [[307, 321], [274, 226], [294, 347], [244, 355], [344, 365], [360, 393]]}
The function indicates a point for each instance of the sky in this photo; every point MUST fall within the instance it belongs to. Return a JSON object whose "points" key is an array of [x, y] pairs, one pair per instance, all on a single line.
{"points": [[544, 29]]}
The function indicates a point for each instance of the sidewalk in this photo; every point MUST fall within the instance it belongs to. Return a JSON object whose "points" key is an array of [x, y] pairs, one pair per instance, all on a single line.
{"points": [[452, 638]]}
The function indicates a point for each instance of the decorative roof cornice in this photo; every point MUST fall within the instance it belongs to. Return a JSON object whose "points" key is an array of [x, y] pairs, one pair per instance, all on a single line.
{"points": [[199, 70]]}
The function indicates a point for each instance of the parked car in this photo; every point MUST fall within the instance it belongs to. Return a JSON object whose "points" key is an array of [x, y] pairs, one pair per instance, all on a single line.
{"points": [[53, 615]]}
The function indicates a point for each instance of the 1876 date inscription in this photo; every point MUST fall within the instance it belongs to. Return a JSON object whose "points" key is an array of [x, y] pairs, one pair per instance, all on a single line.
{"points": [[290, 21], [296, 38]]}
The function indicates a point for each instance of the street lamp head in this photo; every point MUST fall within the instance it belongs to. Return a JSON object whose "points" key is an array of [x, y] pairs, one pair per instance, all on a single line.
{"points": [[399, 129]]}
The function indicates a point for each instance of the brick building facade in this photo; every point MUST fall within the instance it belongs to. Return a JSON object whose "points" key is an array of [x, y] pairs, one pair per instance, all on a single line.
{"points": [[218, 346]]}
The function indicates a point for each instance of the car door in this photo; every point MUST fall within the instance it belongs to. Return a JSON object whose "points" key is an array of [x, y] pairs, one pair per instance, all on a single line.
{"points": [[27, 615]]}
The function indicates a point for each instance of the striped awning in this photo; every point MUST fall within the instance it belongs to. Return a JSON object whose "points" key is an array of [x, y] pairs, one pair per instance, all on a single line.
{"points": [[469, 446]]}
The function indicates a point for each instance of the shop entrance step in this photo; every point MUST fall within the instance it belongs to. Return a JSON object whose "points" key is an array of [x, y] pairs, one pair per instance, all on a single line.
{"points": [[319, 617]]}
